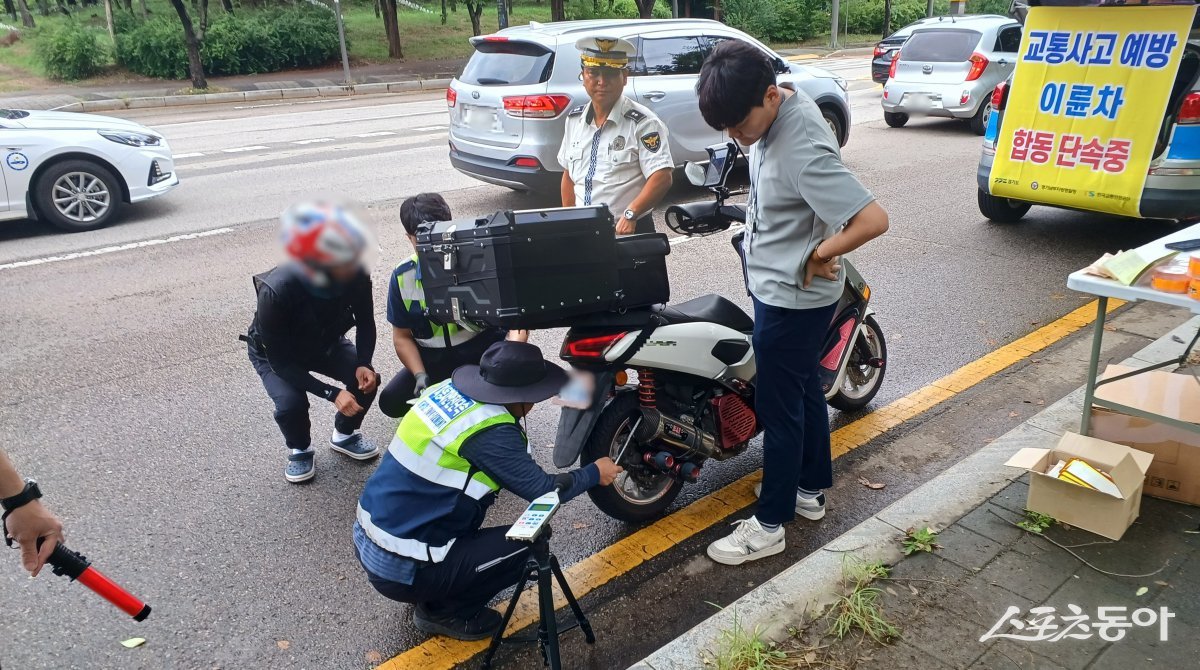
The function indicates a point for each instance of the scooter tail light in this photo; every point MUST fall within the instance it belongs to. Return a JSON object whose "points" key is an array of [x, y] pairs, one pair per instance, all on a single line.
{"points": [[590, 347], [1189, 111]]}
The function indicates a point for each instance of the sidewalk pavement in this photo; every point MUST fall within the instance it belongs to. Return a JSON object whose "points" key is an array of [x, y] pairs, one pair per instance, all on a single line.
{"points": [[945, 602], [375, 78]]}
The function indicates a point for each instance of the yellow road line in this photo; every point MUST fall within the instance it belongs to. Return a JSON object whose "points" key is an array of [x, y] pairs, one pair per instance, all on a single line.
{"points": [[629, 552]]}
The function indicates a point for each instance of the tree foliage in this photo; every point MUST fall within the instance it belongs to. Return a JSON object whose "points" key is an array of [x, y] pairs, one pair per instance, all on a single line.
{"points": [[71, 51]]}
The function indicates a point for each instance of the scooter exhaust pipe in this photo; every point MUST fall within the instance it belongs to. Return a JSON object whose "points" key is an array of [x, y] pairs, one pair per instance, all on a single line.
{"points": [[656, 426]]}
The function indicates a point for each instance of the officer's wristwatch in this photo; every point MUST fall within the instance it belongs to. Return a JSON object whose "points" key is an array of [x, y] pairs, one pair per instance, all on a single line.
{"points": [[630, 215], [30, 493]]}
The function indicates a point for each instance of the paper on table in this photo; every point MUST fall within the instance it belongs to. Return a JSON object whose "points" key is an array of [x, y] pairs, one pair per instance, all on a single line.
{"points": [[1097, 267], [1127, 266]]}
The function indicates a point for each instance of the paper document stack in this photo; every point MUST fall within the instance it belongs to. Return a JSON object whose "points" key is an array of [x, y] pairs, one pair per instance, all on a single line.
{"points": [[1081, 473]]}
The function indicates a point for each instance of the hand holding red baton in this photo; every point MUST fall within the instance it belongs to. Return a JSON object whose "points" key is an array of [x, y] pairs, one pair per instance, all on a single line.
{"points": [[78, 568]]}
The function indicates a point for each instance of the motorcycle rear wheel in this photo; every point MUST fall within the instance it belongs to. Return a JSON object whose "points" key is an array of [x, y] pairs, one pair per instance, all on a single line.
{"points": [[862, 381], [640, 493]]}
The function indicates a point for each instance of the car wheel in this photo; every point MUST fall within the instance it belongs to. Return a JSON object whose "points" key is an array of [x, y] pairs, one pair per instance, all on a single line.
{"points": [[979, 122], [835, 124], [895, 120], [1001, 210], [77, 195]]}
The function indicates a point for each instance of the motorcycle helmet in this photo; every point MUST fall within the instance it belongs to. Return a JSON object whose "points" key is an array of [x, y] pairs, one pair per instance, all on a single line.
{"points": [[321, 235]]}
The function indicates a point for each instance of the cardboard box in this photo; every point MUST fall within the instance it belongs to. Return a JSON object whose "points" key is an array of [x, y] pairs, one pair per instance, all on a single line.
{"points": [[1175, 472], [1091, 510]]}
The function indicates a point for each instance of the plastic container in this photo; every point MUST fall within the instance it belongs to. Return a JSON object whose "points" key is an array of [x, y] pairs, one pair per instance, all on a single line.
{"points": [[1171, 279], [1194, 265], [1194, 289]]}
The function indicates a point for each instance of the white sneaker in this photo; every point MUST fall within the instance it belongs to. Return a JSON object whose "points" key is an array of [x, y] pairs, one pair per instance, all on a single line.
{"points": [[812, 509], [748, 542]]}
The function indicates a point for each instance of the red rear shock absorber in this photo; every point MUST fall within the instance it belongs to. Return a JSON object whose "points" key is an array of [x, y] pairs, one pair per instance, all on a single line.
{"points": [[647, 393]]}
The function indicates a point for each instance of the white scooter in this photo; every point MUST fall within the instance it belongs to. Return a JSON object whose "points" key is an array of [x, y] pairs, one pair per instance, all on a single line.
{"points": [[691, 395]]}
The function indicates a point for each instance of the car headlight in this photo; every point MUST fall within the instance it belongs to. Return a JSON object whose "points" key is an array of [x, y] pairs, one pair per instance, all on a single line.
{"points": [[130, 138]]}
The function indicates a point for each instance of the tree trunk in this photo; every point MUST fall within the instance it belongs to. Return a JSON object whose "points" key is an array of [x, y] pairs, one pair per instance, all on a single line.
{"points": [[391, 28], [108, 20], [43, 8], [227, 5], [11, 9], [475, 10], [557, 10], [454, 6], [378, 11], [26, 16], [145, 12], [444, 15], [192, 41], [887, 17], [646, 8]]}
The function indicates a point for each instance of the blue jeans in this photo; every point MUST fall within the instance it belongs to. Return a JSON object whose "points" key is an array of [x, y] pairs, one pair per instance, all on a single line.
{"points": [[790, 405]]}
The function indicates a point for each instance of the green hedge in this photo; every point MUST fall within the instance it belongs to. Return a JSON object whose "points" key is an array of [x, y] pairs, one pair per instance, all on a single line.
{"points": [[584, 10], [243, 43], [70, 51], [778, 20]]}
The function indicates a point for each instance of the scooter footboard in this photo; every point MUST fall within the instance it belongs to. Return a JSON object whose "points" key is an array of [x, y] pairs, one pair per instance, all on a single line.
{"points": [[574, 425]]}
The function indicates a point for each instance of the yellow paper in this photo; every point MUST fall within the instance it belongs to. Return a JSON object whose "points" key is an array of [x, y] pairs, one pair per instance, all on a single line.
{"points": [[1127, 266], [1087, 100]]}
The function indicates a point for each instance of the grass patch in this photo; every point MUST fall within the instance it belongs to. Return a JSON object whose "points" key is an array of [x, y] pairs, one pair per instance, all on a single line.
{"points": [[423, 36], [859, 610], [1036, 522], [739, 649], [916, 541]]}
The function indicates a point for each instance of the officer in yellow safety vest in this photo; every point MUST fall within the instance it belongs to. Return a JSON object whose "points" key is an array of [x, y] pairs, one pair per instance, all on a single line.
{"points": [[418, 533], [429, 351]]}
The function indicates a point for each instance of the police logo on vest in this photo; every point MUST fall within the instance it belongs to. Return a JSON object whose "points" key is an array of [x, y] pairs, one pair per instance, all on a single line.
{"points": [[441, 406]]}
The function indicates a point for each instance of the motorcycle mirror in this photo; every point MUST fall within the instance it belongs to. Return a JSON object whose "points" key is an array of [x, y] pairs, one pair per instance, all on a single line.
{"points": [[695, 173]]}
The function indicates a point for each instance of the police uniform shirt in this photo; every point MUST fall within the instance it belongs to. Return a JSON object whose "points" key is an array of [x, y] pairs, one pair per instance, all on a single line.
{"points": [[410, 314], [610, 165]]}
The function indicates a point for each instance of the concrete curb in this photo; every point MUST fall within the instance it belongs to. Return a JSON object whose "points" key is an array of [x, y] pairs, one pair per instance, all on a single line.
{"points": [[813, 583], [372, 88]]}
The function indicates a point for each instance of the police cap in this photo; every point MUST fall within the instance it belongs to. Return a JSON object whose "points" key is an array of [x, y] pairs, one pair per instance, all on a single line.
{"points": [[607, 52]]}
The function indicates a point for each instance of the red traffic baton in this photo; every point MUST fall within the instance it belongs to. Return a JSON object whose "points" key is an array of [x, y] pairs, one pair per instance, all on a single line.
{"points": [[71, 564]]}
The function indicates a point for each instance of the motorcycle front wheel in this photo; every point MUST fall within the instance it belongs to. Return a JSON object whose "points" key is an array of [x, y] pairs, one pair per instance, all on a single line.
{"points": [[640, 493], [862, 381]]}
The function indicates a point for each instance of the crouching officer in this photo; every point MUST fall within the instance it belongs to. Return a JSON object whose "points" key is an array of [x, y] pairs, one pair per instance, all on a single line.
{"points": [[614, 152], [418, 533], [430, 351], [305, 308]]}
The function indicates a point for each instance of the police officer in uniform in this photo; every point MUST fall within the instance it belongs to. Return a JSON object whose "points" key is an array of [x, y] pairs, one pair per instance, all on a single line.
{"points": [[615, 151], [418, 533], [430, 351]]}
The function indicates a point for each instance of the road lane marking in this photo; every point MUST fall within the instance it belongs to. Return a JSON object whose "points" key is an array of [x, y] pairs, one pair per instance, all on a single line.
{"points": [[378, 133], [238, 150], [428, 128], [647, 543], [194, 154], [111, 250], [316, 140]]}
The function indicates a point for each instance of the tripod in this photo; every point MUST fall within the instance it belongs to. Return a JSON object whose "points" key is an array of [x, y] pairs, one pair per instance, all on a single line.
{"points": [[541, 567]]}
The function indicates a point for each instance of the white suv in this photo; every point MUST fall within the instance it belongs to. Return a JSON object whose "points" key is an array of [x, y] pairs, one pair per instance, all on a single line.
{"points": [[508, 107]]}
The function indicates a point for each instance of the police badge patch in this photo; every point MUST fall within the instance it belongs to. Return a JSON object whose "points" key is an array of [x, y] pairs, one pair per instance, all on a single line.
{"points": [[617, 144], [652, 142]]}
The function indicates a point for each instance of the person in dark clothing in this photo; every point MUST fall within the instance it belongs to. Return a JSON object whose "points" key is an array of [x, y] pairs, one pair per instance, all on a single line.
{"points": [[305, 308], [430, 351], [418, 534]]}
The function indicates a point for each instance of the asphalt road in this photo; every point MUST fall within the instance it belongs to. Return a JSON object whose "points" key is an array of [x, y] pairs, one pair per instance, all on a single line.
{"points": [[130, 399]]}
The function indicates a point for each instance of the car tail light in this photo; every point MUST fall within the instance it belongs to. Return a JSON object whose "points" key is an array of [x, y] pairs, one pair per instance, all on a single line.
{"points": [[1189, 111], [536, 106], [879, 51], [1000, 96], [451, 97], [495, 38], [590, 347], [525, 162], [979, 63], [895, 63], [965, 97]]}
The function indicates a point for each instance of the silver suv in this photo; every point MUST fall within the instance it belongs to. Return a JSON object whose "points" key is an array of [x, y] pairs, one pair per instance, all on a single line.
{"points": [[951, 71], [508, 107]]}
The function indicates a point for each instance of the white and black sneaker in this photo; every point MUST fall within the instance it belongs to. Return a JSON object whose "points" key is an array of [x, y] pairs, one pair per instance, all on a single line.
{"points": [[749, 541], [812, 509]]}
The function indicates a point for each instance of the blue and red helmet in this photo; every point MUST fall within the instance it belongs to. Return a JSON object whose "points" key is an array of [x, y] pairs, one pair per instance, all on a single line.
{"points": [[323, 235]]}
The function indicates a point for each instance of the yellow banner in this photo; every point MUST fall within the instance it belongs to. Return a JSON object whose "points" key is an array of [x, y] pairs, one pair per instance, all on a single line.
{"points": [[1087, 103]]}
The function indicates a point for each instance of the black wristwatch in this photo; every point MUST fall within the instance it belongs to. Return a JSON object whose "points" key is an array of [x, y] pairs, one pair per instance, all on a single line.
{"points": [[30, 493]]}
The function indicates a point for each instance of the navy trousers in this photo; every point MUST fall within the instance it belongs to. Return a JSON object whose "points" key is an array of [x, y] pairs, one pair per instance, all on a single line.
{"points": [[790, 405]]}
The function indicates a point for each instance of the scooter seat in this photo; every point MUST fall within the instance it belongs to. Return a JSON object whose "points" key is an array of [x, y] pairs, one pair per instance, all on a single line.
{"points": [[709, 308]]}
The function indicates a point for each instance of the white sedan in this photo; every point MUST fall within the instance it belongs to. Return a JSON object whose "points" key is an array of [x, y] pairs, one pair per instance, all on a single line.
{"points": [[76, 171]]}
